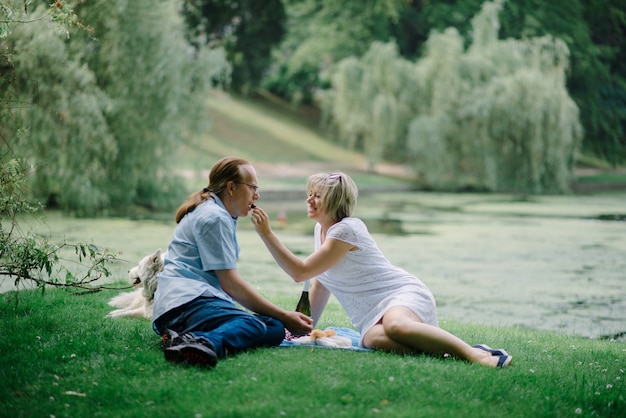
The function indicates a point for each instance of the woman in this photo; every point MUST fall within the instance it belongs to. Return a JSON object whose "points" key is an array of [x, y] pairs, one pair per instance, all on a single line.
{"points": [[392, 309], [194, 309]]}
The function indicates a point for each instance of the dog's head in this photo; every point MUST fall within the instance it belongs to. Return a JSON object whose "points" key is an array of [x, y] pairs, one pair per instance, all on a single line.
{"points": [[145, 273]]}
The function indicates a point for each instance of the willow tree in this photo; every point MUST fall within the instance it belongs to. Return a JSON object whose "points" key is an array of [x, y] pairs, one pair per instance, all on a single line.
{"points": [[64, 134], [513, 127], [320, 33], [109, 107], [365, 102], [26, 256], [494, 116]]}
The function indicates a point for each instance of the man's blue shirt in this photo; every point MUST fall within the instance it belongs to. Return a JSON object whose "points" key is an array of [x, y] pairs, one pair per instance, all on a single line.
{"points": [[204, 241]]}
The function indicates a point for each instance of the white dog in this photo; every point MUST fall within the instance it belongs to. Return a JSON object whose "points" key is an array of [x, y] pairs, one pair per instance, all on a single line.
{"points": [[139, 302]]}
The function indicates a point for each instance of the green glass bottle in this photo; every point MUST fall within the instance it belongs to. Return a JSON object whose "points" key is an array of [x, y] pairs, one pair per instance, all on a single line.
{"points": [[304, 305]]}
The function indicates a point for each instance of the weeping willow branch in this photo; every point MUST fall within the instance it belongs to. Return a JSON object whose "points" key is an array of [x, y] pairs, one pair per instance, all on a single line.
{"points": [[495, 116]]}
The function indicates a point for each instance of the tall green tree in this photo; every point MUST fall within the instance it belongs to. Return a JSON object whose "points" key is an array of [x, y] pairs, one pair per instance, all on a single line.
{"points": [[108, 109], [66, 135], [26, 256], [494, 116], [320, 33], [606, 120], [367, 104], [246, 29], [595, 33]]}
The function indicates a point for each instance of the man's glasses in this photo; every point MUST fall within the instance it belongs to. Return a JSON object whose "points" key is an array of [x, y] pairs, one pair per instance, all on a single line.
{"points": [[254, 188]]}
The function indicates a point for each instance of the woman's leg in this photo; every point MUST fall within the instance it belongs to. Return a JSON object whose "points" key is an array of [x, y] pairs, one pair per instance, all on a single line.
{"points": [[402, 327], [377, 339]]}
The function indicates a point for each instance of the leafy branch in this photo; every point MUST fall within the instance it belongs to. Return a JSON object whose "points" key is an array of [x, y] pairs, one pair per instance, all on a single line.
{"points": [[31, 257], [12, 12]]}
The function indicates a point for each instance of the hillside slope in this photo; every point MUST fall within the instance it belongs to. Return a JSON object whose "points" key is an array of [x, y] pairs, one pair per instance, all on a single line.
{"points": [[284, 149], [286, 146]]}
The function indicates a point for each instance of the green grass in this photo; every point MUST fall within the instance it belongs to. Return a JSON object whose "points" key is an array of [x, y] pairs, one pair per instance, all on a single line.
{"points": [[260, 133], [60, 357], [607, 177], [284, 148]]}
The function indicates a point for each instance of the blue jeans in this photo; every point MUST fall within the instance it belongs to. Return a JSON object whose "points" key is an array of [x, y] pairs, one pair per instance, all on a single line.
{"points": [[228, 328]]}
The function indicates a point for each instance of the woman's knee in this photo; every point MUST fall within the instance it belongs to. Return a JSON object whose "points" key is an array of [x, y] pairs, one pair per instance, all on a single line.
{"points": [[398, 321], [376, 338], [379, 340]]}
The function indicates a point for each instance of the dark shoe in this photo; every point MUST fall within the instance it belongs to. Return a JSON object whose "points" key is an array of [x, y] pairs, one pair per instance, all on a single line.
{"points": [[496, 352], [171, 338], [504, 361], [187, 349]]}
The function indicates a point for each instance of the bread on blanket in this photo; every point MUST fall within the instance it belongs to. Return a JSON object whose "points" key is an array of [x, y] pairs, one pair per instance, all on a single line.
{"points": [[327, 338], [318, 333]]}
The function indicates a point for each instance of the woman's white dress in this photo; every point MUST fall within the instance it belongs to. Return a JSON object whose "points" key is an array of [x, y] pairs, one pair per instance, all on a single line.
{"points": [[366, 284]]}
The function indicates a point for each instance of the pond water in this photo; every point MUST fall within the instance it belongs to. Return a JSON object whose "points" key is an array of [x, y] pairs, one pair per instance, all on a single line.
{"points": [[547, 263]]}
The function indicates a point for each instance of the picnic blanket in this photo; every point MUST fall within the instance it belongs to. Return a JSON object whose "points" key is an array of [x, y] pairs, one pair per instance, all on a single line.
{"points": [[345, 338]]}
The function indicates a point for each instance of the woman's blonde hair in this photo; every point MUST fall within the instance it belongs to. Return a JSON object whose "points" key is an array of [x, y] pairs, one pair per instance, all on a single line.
{"points": [[225, 170], [337, 191]]}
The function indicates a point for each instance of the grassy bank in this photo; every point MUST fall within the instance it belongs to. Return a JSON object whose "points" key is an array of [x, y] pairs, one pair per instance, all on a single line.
{"points": [[492, 261], [60, 357], [501, 267]]}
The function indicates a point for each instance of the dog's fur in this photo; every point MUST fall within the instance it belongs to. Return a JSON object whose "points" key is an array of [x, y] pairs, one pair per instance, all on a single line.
{"points": [[143, 276]]}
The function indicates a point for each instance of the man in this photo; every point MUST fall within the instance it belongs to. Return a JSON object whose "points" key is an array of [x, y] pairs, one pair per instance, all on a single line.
{"points": [[194, 309]]}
